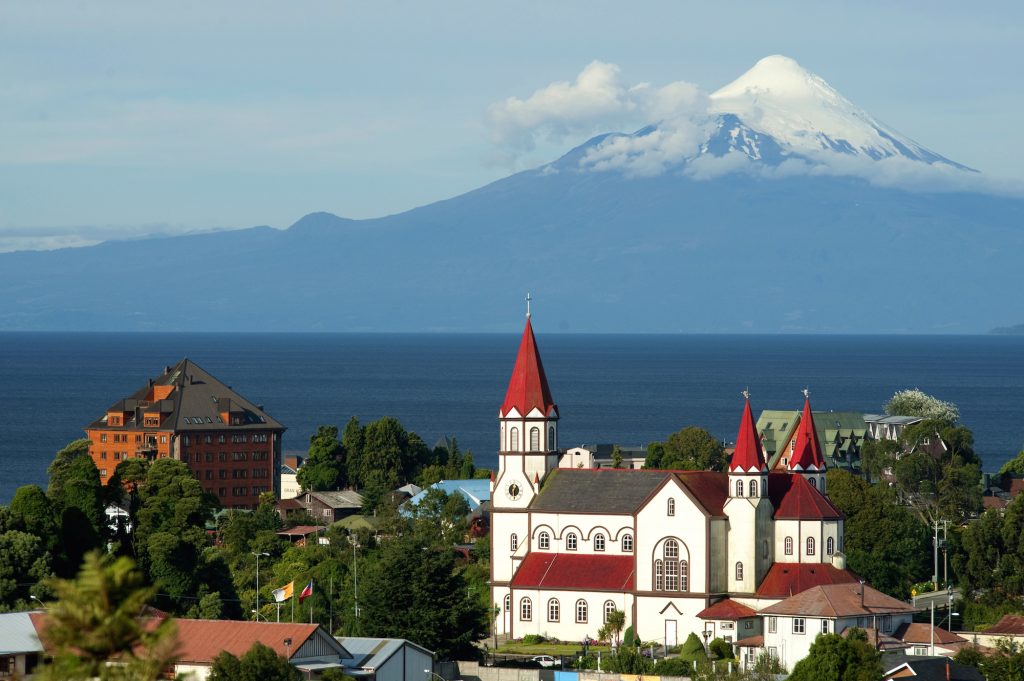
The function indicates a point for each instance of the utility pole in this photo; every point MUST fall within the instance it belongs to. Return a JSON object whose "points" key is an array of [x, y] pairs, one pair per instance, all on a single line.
{"points": [[935, 546], [932, 630], [258, 554]]}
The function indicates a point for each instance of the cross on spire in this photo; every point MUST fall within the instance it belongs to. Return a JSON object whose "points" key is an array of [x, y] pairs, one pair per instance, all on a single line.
{"points": [[807, 394], [528, 299], [746, 393]]}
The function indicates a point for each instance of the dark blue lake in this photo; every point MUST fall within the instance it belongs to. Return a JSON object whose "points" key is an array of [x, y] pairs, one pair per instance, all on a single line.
{"points": [[627, 389]]}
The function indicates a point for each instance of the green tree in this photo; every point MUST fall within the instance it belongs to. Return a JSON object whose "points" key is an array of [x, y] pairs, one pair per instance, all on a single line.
{"points": [[413, 591], [878, 456], [628, 661], [260, 663], [441, 518], [24, 563], [616, 457], [1014, 467], [77, 496], [96, 619], [613, 626], [690, 449], [324, 468], [32, 511], [352, 440], [835, 658], [884, 542], [692, 649], [915, 402]]}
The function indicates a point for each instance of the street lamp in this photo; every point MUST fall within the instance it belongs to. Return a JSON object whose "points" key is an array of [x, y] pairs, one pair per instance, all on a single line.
{"points": [[258, 554], [432, 673], [36, 598]]}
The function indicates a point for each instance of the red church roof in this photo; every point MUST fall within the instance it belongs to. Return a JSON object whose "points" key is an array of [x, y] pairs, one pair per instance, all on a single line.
{"points": [[575, 571], [787, 579], [748, 455], [528, 387], [807, 451], [795, 499]]}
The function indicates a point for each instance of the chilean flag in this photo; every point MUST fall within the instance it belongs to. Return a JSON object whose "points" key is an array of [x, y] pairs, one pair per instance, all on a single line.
{"points": [[306, 592]]}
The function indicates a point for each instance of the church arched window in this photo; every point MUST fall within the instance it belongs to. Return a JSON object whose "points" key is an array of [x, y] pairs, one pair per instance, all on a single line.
{"points": [[810, 546], [513, 541], [526, 609], [570, 541], [739, 572], [535, 439], [609, 608], [671, 549], [553, 610], [551, 438], [627, 543], [544, 541], [581, 611], [659, 579], [684, 576], [753, 488], [599, 542], [789, 546], [739, 488], [830, 546], [508, 602], [513, 439], [670, 507], [814, 483]]}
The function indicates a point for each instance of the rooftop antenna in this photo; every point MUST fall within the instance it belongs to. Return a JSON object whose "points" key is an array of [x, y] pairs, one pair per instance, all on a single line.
{"points": [[528, 299]]}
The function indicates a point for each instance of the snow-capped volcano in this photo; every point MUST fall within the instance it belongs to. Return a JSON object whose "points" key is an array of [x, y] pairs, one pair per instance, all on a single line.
{"points": [[776, 111], [805, 115]]}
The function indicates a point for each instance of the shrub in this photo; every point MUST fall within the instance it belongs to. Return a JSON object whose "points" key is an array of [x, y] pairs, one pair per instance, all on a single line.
{"points": [[721, 649], [533, 639]]}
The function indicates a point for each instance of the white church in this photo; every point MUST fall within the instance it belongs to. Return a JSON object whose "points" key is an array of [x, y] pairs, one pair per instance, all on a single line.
{"points": [[676, 551]]}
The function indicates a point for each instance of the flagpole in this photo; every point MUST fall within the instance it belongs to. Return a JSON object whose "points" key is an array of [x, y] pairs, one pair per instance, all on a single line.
{"points": [[293, 606], [311, 601]]}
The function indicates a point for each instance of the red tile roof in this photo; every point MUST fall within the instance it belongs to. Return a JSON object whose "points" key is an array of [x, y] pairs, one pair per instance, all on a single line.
{"points": [[528, 387], [807, 454], [839, 600], [575, 571], [919, 632], [993, 502], [751, 642], [794, 498], [748, 455], [727, 609], [199, 641], [786, 579], [1010, 624]]}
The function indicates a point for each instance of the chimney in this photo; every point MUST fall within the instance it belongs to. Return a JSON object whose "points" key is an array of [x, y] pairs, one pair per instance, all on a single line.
{"points": [[167, 370]]}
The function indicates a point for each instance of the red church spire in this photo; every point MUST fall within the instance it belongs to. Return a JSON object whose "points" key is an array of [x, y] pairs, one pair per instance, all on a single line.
{"points": [[528, 387], [807, 450], [748, 455]]}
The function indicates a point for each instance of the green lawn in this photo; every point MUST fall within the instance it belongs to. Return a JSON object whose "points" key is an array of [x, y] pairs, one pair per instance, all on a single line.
{"points": [[546, 648]]}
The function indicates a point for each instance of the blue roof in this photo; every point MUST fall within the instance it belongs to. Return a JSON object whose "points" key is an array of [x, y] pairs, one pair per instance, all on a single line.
{"points": [[474, 491], [371, 653], [18, 634]]}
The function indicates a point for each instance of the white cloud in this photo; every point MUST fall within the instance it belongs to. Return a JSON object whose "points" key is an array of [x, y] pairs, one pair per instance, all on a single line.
{"points": [[597, 101]]}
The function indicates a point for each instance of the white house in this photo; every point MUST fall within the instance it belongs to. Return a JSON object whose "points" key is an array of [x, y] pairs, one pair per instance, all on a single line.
{"points": [[791, 625], [569, 545], [20, 648]]}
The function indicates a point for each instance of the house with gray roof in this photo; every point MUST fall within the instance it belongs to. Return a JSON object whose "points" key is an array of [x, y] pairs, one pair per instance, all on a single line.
{"points": [[387, 659], [20, 648]]}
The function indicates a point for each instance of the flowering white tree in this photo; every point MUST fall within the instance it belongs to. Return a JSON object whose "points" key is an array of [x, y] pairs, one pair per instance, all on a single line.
{"points": [[916, 402]]}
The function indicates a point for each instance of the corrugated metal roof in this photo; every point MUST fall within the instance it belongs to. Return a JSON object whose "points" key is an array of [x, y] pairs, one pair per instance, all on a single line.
{"points": [[372, 653], [18, 634]]}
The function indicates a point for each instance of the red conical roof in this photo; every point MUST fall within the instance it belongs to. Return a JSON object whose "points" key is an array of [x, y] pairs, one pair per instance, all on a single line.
{"points": [[807, 450], [748, 455], [528, 387]]}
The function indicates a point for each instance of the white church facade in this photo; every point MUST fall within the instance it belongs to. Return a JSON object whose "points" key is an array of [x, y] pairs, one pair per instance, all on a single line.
{"points": [[676, 551]]}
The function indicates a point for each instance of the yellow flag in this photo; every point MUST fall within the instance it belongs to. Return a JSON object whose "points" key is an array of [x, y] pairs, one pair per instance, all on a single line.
{"points": [[285, 592]]}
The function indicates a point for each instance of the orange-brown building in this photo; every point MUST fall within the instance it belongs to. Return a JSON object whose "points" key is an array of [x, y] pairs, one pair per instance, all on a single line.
{"points": [[230, 444]]}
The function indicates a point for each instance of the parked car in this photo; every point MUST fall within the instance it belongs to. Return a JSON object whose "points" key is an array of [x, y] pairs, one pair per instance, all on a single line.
{"points": [[545, 661]]}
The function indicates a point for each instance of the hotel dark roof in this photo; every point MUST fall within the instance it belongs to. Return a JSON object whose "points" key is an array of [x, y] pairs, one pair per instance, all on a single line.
{"points": [[196, 402]]}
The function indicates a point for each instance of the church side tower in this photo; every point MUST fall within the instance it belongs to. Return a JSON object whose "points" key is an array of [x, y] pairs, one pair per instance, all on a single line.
{"points": [[806, 459], [749, 510], [528, 429]]}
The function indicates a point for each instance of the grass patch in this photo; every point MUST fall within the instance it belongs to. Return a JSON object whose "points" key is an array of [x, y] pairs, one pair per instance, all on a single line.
{"points": [[556, 649]]}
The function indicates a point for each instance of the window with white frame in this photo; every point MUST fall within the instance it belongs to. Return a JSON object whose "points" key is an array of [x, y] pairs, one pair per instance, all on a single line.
{"points": [[789, 546], [830, 546], [810, 546], [513, 439], [739, 488], [670, 506], [553, 610], [798, 625], [534, 439], [544, 541], [570, 541], [753, 488], [627, 543], [513, 541], [508, 602], [609, 608], [599, 542], [773, 624], [581, 611], [739, 572], [824, 626], [525, 609]]}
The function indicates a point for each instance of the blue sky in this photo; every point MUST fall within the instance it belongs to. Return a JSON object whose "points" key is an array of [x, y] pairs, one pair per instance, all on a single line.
{"points": [[119, 118]]}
